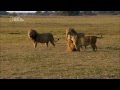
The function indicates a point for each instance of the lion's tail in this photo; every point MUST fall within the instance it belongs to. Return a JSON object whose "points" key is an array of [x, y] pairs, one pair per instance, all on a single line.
{"points": [[100, 37]]}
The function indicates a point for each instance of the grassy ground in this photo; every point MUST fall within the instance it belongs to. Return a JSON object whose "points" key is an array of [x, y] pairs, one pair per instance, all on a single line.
{"points": [[18, 58]]}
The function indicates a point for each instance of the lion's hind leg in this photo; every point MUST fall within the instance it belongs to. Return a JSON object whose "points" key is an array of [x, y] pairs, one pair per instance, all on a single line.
{"points": [[47, 44], [52, 43], [94, 47]]}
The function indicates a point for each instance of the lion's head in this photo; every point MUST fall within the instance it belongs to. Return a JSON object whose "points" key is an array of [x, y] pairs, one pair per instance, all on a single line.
{"points": [[70, 31], [32, 34]]}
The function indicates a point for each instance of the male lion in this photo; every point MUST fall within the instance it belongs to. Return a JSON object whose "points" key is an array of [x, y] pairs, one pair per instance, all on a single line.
{"points": [[89, 40], [41, 38], [79, 39], [71, 34], [70, 31]]}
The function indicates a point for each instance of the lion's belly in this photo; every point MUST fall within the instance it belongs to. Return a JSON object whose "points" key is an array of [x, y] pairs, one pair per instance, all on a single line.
{"points": [[84, 42], [43, 39]]}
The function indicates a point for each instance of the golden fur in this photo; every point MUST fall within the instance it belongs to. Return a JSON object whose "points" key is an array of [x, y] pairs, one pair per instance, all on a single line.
{"points": [[70, 46], [79, 39], [71, 34], [41, 38]]}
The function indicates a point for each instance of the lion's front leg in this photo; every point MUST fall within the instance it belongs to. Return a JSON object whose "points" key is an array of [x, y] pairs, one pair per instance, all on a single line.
{"points": [[35, 44], [75, 44], [69, 42]]}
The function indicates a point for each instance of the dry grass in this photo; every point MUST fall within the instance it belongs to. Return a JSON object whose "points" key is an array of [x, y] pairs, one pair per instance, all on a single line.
{"points": [[18, 58]]}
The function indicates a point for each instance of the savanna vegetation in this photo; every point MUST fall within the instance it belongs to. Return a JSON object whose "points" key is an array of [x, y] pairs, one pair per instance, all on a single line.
{"points": [[19, 59]]}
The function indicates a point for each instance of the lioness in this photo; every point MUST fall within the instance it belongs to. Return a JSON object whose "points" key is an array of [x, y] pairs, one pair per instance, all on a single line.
{"points": [[41, 38], [70, 46]]}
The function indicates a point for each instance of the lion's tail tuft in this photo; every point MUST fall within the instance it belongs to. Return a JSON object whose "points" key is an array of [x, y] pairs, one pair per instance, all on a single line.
{"points": [[57, 40]]}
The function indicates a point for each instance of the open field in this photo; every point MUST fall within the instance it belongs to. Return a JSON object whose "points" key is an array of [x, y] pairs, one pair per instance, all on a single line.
{"points": [[18, 58]]}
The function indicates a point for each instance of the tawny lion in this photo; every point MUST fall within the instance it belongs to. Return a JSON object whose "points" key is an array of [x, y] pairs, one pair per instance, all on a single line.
{"points": [[70, 46], [79, 39], [71, 34]]}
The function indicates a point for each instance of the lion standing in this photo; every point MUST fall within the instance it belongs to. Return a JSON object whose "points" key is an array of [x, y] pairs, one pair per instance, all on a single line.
{"points": [[72, 35], [90, 40], [79, 40], [41, 38]]}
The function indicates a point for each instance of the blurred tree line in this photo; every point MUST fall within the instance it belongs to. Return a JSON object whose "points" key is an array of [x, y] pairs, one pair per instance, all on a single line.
{"points": [[64, 13], [77, 13], [3, 13]]}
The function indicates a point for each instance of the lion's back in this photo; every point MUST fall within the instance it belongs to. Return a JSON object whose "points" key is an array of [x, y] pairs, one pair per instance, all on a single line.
{"points": [[46, 37]]}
